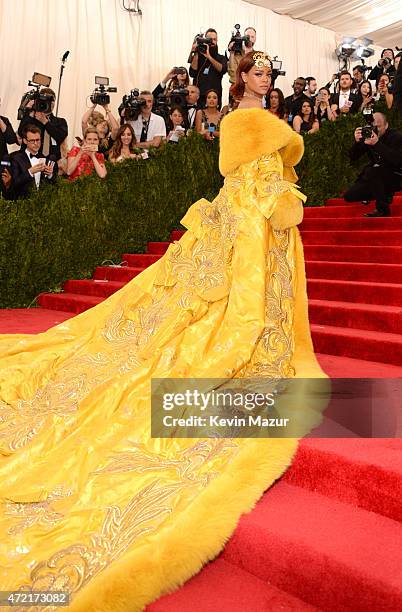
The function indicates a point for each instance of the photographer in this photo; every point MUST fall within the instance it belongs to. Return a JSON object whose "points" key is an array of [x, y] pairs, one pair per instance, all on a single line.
{"points": [[53, 129], [379, 179], [177, 78], [246, 47], [322, 106], [358, 77], [344, 101], [207, 66], [29, 169], [106, 125], [384, 66], [7, 135], [149, 128], [397, 84], [85, 159]]}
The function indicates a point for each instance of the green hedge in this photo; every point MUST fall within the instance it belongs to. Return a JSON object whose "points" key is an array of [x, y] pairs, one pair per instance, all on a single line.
{"points": [[66, 230]]}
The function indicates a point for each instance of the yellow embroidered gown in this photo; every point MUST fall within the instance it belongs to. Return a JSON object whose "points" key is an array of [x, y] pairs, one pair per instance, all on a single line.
{"points": [[90, 503]]}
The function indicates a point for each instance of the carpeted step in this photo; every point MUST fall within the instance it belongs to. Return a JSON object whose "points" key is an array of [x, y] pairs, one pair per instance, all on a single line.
{"points": [[341, 367], [369, 272], [357, 343], [328, 553], [358, 237], [360, 472], [352, 253], [389, 294], [158, 248], [227, 588], [397, 199], [91, 287], [117, 273], [353, 315], [70, 302], [140, 260], [346, 210], [176, 235], [352, 224]]}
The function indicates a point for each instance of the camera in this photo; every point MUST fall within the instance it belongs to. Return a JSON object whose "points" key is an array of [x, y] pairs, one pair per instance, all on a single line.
{"points": [[177, 97], [179, 70], [386, 61], [202, 43], [368, 129], [238, 40], [100, 94], [277, 68], [132, 103], [42, 102]]}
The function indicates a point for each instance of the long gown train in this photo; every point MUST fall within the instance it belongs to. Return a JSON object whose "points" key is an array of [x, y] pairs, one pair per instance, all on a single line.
{"points": [[90, 503]]}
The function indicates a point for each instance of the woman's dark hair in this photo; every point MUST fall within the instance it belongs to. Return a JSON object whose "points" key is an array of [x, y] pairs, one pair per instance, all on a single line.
{"points": [[217, 95], [282, 106], [370, 94], [311, 118], [245, 65], [324, 89], [115, 151], [172, 109], [384, 50]]}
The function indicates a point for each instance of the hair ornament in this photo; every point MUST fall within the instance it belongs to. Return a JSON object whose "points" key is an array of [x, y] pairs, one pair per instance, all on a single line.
{"points": [[262, 60]]}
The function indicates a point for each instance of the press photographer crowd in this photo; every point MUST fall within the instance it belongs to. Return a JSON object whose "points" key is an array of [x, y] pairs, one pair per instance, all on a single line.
{"points": [[188, 100]]}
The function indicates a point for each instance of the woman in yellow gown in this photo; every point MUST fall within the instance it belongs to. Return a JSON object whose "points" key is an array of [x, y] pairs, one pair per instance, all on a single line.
{"points": [[90, 503]]}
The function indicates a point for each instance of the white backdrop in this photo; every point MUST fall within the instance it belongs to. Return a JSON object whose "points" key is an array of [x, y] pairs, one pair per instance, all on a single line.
{"points": [[134, 51]]}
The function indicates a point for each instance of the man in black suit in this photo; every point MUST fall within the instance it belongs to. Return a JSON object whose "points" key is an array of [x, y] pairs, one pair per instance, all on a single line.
{"points": [[29, 168], [381, 177], [345, 101], [294, 102], [7, 135], [53, 129]]}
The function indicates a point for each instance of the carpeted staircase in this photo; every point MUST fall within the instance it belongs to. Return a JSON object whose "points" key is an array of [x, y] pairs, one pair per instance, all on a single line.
{"points": [[354, 272], [328, 535]]}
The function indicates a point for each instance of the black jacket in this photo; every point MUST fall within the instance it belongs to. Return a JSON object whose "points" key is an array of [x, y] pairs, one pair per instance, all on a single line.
{"points": [[23, 182], [205, 76], [56, 128], [379, 70], [293, 106], [387, 154], [7, 137], [354, 98]]}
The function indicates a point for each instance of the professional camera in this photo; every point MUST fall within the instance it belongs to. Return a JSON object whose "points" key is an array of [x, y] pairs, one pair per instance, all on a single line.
{"points": [[277, 68], [132, 103], [238, 40], [368, 129], [42, 102], [177, 97], [179, 70], [202, 43], [386, 61], [101, 93]]}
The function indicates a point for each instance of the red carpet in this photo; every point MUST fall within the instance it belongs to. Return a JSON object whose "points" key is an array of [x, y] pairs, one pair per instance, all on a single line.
{"points": [[328, 535]]}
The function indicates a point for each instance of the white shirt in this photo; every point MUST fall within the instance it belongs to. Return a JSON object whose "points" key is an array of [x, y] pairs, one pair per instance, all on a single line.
{"points": [[343, 98], [34, 162], [156, 127]]}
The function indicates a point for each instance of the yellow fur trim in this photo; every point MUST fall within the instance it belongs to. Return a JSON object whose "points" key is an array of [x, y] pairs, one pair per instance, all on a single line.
{"points": [[288, 212], [195, 538], [246, 134]]}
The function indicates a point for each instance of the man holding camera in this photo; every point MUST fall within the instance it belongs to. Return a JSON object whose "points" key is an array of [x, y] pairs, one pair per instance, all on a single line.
{"points": [[385, 65], [28, 168], [235, 54], [207, 66], [382, 176], [149, 128], [53, 129]]}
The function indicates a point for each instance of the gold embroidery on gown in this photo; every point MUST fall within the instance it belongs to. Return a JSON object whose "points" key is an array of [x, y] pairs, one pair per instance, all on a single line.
{"points": [[89, 502]]}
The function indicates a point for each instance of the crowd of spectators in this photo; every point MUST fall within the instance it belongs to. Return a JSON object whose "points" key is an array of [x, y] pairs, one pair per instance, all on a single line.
{"points": [[174, 108]]}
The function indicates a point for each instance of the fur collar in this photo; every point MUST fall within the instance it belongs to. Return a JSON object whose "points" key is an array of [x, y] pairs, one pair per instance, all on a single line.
{"points": [[246, 134]]}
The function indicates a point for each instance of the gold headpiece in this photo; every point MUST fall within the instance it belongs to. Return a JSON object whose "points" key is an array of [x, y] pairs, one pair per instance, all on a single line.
{"points": [[262, 60]]}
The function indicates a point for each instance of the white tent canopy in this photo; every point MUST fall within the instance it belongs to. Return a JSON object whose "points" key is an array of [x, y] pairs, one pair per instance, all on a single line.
{"points": [[379, 20]]}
